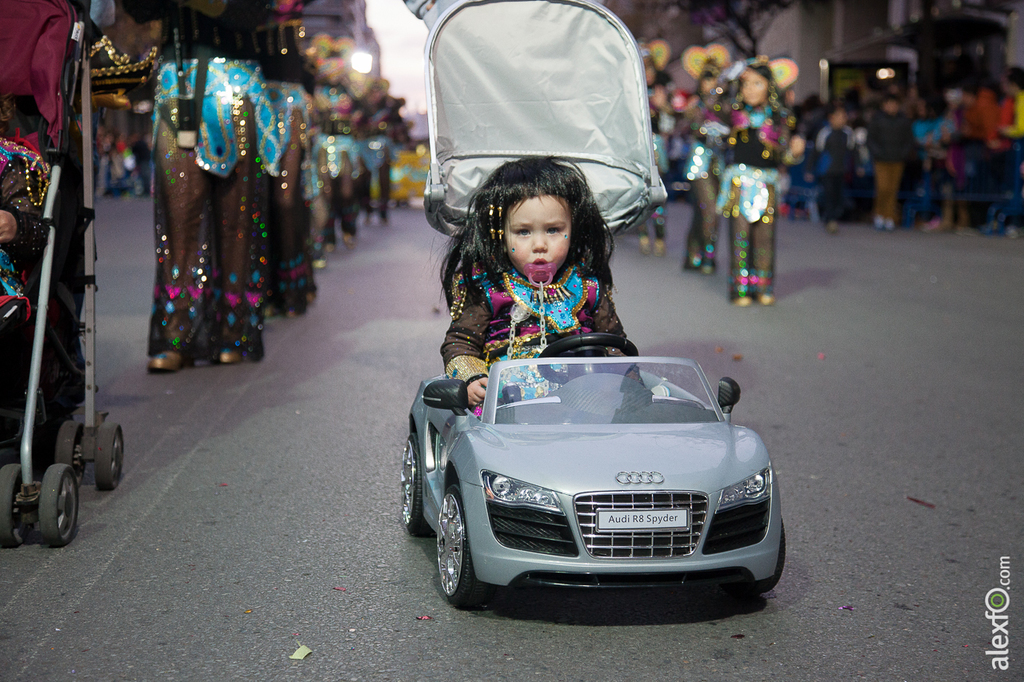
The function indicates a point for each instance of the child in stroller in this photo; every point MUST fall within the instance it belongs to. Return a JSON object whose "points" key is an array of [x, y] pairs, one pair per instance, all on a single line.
{"points": [[23, 183]]}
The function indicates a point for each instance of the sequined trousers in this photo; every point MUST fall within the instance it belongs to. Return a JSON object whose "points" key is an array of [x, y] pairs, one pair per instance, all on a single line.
{"points": [[211, 247], [703, 171], [376, 155], [291, 284], [748, 201], [658, 217]]}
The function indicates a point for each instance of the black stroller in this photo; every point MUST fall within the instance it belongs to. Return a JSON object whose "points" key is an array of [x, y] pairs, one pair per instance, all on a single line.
{"points": [[47, 366]]}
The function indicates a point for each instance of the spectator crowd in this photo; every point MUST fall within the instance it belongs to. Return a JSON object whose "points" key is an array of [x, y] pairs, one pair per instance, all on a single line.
{"points": [[947, 162]]}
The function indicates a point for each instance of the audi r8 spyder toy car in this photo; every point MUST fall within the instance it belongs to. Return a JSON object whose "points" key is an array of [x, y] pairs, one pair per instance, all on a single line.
{"points": [[591, 471]]}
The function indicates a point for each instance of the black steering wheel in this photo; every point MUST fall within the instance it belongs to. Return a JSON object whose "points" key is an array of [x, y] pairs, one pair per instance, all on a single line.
{"points": [[593, 344]]}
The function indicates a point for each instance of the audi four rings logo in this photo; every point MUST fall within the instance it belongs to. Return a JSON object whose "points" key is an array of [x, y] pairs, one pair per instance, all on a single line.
{"points": [[625, 477]]}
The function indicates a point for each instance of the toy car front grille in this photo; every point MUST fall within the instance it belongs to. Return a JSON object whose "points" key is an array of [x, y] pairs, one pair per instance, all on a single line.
{"points": [[739, 527], [640, 544], [531, 530]]}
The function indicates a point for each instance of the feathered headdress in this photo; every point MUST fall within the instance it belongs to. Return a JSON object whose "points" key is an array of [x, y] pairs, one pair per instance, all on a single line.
{"points": [[783, 71], [710, 60], [659, 53]]}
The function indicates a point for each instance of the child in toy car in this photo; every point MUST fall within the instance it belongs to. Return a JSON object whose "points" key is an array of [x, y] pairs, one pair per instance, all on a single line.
{"points": [[531, 266]]}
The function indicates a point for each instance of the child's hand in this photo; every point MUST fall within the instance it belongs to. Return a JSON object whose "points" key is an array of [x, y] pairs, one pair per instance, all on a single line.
{"points": [[477, 390]]}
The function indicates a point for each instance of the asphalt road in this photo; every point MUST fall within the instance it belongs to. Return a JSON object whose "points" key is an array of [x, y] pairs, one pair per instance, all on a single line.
{"points": [[259, 508]]}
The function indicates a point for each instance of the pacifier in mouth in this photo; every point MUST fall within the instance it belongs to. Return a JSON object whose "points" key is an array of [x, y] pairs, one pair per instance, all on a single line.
{"points": [[540, 274]]}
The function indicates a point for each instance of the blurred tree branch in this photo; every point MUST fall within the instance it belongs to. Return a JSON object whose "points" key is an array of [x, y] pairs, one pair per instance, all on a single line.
{"points": [[741, 23]]}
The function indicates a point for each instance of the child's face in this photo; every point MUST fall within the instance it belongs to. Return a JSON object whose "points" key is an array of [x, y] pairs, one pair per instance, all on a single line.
{"points": [[754, 88], [538, 230]]}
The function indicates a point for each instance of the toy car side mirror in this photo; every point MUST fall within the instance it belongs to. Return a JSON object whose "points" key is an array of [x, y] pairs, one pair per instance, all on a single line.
{"points": [[447, 394], [728, 394]]}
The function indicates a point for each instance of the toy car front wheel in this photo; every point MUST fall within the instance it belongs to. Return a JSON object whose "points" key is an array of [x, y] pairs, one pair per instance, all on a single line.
{"points": [[759, 587], [454, 562], [412, 491]]}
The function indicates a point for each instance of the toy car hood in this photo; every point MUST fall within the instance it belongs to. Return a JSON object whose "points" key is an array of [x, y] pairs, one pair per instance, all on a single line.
{"points": [[702, 457]]}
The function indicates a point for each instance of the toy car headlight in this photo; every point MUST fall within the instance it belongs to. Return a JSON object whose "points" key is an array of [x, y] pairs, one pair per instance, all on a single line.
{"points": [[756, 488], [510, 491]]}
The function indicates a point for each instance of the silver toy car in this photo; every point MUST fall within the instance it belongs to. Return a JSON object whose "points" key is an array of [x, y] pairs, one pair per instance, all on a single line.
{"points": [[591, 471]]}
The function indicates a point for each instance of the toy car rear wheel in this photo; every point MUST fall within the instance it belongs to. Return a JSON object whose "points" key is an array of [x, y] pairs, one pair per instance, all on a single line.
{"points": [[412, 491], [109, 455], [759, 587], [58, 505], [454, 561], [11, 531]]}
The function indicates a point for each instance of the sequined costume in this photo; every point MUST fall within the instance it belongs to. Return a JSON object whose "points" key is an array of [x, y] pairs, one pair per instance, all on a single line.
{"points": [[24, 178], [377, 122], [213, 260], [706, 122], [703, 172], [659, 83], [759, 139], [505, 320], [336, 152], [291, 284]]}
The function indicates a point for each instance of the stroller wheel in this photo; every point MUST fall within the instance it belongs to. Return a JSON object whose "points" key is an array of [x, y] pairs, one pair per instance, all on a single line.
{"points": [[11, 534], [68, 449], [58, 505], [109, 455]]}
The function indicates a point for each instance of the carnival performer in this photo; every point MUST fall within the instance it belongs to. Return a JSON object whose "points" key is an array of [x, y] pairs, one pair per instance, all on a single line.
{"points": [[377, 124], [530, 267], [656, 56], [215, 143], [291, 284], [24, 179], [704, 118], [761, 138], [335, 148]]}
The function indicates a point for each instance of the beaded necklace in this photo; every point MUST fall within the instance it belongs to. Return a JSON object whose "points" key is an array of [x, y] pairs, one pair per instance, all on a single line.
{"points": [[36, 171]]}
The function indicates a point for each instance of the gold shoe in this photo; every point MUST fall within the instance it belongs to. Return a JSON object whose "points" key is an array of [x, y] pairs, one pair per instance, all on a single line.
{"points": [[319, 263], [171, 361], [645, 245], [350, 241], [742, 301], [310, 296], [766, 299], [229, 357], [659, 247], [329, 247]]}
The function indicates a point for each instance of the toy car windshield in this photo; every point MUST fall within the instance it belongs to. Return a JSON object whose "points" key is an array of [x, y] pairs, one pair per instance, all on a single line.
{"points": [[605, 391]]}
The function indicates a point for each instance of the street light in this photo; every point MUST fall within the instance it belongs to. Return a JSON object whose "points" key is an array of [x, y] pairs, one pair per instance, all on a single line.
{"points": [[362, 62]]}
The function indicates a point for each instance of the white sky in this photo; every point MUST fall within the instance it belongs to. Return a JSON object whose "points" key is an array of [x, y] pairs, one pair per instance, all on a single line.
{"points": [[401, 37]]}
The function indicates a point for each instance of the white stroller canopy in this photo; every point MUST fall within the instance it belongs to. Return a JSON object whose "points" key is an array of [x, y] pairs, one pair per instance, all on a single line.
{"points": [[513, 78]]}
